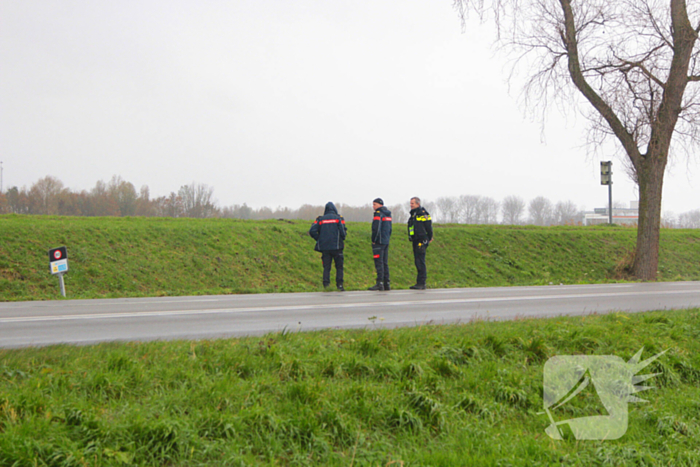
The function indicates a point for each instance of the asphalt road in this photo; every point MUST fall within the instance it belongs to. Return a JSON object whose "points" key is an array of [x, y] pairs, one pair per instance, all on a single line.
{"points": [[207, 317]]}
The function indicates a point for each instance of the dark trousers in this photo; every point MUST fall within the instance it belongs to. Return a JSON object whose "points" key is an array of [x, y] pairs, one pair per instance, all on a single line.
{"points": [[419, 259], [381, 262], [327, 257]]}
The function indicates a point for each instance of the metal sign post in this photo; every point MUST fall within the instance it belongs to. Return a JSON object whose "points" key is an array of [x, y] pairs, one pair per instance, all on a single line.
{"points": [[58, 265], [63, 285], [610, 206], [606, 179]]}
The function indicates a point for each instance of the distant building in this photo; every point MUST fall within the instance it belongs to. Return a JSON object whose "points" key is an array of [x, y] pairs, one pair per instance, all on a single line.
{"points": [[620, 216]]}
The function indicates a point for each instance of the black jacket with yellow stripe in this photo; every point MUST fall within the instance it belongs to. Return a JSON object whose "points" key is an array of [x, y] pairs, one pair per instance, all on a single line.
{"points": [[420, 225]]}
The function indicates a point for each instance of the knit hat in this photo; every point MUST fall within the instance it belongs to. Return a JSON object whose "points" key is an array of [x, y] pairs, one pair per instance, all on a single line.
{"points": [[378, 201]]}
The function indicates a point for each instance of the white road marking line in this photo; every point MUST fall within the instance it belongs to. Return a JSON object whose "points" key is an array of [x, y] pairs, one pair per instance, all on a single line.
{"points": [[147, 314]]}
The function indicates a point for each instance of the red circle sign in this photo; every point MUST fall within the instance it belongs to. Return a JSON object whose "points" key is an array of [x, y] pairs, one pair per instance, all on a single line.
{"points": [[57, 254]]}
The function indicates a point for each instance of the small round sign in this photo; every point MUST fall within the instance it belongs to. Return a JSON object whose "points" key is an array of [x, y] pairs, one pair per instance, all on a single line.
{"points": [[57, 254]]}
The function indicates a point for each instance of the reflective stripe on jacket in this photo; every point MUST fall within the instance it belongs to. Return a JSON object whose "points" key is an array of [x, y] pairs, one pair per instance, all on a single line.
{"points": [[381, 226], [329, 230], [420, 225]]}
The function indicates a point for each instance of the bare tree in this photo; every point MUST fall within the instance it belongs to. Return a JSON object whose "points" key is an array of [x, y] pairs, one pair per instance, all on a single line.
{"points": [[100, 203], [144, 205], [512, 210], [468, 208], [197, 200], [309, 212], [361, 213], [43, 195], [488, 210], [689, 220], [566, 213], [69, 203], [124, 194], [429, 206], [669, 220], [4, 204], [283, 213], [399, 214], [238, 211], [170, 206], [636, 62], [18, 200], [540, 211], [448, 211], [263, 213]]}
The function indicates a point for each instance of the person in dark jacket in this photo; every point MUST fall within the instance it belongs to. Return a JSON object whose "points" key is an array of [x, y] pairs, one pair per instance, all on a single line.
{"points": [[381, 234], [329, 231], [420, 233]]}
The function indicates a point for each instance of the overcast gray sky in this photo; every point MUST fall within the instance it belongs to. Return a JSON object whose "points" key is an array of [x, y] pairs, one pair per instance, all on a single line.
{"points": [[284, 102]]}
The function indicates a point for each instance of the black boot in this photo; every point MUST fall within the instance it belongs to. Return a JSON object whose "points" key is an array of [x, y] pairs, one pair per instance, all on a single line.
{"points": [[340, 288], [377, 286], [387, 285], [418, 287]]}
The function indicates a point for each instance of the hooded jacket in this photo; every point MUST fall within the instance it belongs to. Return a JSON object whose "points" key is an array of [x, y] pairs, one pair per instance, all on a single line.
{"points": [[381, 226], [329, 230]]}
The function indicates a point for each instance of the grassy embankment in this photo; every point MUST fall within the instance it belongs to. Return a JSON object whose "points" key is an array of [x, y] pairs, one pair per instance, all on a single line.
{"points": [[130, 257], [433, 395], [428, 396]]}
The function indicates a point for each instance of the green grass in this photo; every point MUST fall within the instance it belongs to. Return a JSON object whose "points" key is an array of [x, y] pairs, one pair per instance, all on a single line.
{"points": [[432, 395], [134, 257]]}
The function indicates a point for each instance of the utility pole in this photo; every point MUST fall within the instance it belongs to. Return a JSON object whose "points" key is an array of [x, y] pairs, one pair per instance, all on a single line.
{"points": [[606, 179]]}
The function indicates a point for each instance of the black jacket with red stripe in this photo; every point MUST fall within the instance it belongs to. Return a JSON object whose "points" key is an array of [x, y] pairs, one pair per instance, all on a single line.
{"points": [[381, 226], [329, 230]]}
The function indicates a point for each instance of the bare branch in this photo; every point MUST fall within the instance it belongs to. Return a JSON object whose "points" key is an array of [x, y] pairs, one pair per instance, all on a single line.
{"points": [[657, 28], [632, 60], [569, 38]]}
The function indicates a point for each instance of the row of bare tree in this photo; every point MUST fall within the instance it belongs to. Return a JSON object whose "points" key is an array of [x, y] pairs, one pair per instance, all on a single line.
{"points": [[687, 220], [48, 196], [310, 212], [117, 198], [513, 210]]}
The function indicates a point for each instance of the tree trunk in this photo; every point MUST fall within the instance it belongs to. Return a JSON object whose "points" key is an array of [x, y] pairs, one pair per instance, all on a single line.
{"points": [[650, 167], [651, 179]]}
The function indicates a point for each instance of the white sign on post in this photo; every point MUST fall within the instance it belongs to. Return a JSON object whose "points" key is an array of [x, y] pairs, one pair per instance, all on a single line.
{"points": [[58, 260], [58, 267], [58, 264]]}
